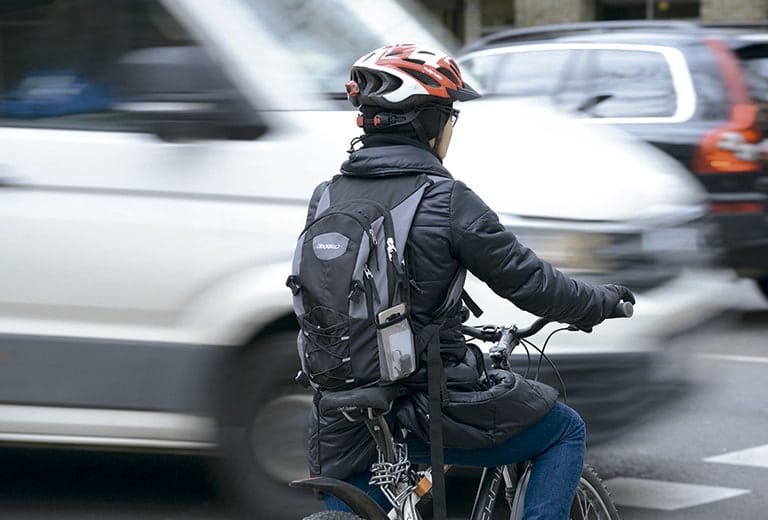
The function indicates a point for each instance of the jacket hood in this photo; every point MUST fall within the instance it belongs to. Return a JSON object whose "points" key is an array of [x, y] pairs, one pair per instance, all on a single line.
{"points": [[381, 157]]}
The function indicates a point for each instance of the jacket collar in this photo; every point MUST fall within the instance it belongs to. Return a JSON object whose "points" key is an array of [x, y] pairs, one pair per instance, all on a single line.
{"points": [[383, 156]]}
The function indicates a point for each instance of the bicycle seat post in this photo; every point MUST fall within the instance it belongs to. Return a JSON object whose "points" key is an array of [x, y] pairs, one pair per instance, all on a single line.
{"points": [[381, 433]]}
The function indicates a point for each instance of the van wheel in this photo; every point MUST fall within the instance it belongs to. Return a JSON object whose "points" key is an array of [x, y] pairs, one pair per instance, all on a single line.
{"points": [[762, 283], [263, 430]]}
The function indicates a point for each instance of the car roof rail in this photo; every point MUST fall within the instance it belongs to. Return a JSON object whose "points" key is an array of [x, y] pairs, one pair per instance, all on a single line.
{"points": [[746, 29], [750, 24], [558, 30]]}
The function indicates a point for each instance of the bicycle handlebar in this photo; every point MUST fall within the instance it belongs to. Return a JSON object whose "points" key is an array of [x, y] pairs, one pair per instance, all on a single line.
{"points": [[623, 310], [505, 335]]}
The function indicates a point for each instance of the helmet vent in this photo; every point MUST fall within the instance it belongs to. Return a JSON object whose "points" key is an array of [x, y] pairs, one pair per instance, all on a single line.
{"points": [[372, 82], [423, 78], [449, 74]]}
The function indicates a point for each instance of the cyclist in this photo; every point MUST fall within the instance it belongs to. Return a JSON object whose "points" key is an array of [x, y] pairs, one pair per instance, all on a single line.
{"points": [[405, 95]]}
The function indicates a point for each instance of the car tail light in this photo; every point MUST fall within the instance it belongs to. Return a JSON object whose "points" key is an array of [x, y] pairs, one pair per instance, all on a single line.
{"points": [[735, 147], [725, 208]]}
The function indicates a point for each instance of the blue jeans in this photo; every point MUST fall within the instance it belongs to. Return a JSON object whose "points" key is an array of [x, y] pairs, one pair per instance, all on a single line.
{"points": [[555, 444]]}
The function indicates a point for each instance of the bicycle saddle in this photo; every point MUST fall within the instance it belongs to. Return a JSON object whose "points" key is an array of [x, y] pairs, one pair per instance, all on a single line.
{"points": [[377, 398]]}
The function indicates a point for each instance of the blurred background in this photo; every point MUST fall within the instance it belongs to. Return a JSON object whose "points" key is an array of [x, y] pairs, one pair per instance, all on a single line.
{"points": [[156, 158], [471, 19]]}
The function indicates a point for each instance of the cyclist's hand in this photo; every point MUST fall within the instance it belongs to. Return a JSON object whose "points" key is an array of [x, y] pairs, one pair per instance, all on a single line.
{"points": [[613, 295], [623, 294]]}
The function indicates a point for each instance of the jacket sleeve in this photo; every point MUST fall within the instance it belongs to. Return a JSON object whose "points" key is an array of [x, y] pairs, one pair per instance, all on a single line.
{"points": [[494, 255]]}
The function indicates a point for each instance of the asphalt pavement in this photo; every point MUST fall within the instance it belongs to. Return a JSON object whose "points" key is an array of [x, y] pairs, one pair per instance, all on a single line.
{"points": [[706, 455]]}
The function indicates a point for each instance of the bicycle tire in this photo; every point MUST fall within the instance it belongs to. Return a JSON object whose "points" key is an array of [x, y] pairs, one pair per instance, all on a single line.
{"points": [[592, 501], [332, 515]]}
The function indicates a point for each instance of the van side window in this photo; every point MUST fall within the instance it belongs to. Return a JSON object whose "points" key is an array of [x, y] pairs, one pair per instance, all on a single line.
{"points": [[57, 59]]}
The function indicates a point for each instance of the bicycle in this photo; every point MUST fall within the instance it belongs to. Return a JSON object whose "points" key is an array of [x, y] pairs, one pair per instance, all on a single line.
{"points": [[405, 486]]}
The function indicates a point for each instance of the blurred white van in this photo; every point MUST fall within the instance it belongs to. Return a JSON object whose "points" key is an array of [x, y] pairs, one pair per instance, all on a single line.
{"points": [[156, 157]]}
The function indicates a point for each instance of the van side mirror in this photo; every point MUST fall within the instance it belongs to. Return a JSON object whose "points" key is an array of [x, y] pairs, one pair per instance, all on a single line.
{"points": [[184, 96]]}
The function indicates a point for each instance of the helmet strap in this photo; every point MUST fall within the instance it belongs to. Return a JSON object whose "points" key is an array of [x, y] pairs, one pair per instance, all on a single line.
{"points": [[383, 120]]}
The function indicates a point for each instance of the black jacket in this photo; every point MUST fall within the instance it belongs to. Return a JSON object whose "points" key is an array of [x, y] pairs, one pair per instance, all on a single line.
{"points": [[454, 228]]}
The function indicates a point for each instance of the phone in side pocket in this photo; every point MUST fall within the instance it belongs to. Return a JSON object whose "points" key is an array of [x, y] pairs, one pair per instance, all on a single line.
{"points": [[397, 354], [391, 314]]}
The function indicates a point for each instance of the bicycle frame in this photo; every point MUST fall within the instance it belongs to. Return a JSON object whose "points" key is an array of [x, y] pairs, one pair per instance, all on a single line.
{"points": [[514, 490]]}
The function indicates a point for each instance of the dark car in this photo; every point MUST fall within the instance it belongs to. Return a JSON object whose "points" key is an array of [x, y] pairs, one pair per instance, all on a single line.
{"points": [[697, 91]]}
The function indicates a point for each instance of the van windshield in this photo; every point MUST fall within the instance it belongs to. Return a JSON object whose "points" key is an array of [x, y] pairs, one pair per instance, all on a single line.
{"points": [[326, 36]]}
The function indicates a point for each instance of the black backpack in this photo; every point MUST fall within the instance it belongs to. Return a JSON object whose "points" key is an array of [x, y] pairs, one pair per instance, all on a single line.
{"points": [[350, 281], [350, 285]]}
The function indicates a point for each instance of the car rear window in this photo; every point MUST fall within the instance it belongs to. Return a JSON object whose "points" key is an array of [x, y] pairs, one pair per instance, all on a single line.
{"points": [[535, 73], [595, 81], [627, 83]]}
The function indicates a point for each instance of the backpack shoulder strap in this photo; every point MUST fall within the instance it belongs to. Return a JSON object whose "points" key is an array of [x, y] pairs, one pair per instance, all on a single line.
{"points": [[321, 198]]}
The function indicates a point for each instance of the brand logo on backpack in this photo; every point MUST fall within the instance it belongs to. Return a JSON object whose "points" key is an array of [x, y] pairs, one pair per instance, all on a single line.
{"points": [[329, 245], [350, 282]]}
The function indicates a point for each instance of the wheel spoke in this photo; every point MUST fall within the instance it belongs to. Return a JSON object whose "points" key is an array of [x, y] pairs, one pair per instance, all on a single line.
{"points": [[590, 504]]}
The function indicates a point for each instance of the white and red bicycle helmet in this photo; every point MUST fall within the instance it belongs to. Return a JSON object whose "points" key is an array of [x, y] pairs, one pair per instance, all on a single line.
{"points": [[401, 76]]}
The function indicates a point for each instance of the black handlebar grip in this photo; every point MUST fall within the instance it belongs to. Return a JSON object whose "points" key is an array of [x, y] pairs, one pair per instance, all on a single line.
{"points": [[623, 310]]}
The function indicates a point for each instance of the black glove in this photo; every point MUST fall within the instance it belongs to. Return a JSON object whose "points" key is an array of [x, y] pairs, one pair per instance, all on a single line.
{"points": [[622, 292], [612, 294]]}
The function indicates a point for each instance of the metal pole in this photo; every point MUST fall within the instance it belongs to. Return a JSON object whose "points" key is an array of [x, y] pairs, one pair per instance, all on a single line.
{"points": [[473, 23]]}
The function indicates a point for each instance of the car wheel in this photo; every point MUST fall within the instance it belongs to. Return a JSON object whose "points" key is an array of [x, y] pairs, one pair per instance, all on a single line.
{"points": [[263, 431], [762, 283]]}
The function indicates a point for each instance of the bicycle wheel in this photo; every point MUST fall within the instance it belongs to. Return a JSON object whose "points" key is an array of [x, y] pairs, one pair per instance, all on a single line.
{"points": [[332, 515], [592, 501]]}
